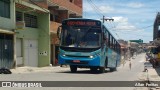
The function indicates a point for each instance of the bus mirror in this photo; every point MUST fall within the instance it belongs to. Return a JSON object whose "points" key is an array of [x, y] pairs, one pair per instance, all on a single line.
{"points": [[59, 32]]}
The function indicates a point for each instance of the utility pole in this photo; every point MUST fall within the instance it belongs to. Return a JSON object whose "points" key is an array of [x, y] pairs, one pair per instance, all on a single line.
{"points": [[107, 19], [103, 19]]}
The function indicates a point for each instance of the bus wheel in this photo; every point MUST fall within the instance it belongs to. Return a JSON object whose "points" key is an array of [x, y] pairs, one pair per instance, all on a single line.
{"points": [[113, 69], [102, 69], [73, 68], [93, 69]]}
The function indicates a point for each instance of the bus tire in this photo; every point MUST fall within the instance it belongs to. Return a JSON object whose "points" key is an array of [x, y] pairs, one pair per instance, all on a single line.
{"points": [[113, 69], [102, 69], [73, 68], [93, 69]]}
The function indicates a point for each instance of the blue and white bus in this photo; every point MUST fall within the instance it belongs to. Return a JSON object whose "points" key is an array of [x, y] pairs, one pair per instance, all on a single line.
{"points": [[87, 43]]}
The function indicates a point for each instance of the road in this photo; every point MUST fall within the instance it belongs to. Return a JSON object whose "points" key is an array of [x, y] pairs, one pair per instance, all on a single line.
{"points": [[123, 73]]}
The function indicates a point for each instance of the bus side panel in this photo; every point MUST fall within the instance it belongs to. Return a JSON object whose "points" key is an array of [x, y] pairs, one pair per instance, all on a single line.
{"points": [[112, 58], [118, 60]]}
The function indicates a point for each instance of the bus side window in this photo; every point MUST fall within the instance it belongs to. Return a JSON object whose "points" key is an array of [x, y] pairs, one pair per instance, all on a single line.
{"points": [[111, 42], [107, 43]]}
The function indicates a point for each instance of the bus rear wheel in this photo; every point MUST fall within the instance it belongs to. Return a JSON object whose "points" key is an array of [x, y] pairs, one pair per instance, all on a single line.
{"points": [[73, 68], [102, 69]]}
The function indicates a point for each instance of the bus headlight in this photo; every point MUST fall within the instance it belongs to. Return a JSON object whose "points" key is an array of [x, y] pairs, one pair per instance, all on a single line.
{"points": [[63, 55], [90, 56]]}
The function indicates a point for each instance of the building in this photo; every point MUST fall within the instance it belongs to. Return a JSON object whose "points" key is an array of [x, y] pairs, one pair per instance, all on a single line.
{"points": [[33, 41], [156, 30], [24, 34], [140, 41], [124, 50], [59, 10], [28, 30], [7, 36]]}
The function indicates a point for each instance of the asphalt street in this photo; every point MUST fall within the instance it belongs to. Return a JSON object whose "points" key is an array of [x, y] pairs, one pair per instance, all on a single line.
{"points": [[123, 73]]}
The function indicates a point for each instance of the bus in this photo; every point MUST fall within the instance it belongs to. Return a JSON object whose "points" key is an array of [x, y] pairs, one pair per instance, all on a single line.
{"points": [[87, 43]]}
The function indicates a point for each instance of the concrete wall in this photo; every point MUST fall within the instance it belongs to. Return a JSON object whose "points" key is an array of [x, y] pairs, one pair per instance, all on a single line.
{"points": [[42, 34], [8, 23], [44, 39]]}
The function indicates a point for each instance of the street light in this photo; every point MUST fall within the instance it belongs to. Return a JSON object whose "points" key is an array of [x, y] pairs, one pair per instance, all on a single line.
{"points": [[107, 19]]}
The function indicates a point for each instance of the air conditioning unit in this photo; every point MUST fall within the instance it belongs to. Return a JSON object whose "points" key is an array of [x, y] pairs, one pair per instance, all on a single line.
{"points": [[20, 25]]}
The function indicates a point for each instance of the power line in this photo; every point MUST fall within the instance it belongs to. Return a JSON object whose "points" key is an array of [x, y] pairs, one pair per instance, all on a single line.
{"points": [[98, 10], [146, 27], [112, 25], [96, 7], [131, 30], [133, 34]]}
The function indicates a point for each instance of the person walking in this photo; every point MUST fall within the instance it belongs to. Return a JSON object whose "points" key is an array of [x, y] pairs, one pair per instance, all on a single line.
{"points": [[130, 64]]}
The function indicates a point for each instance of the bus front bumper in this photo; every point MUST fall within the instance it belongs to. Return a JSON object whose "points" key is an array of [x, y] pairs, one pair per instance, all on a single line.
{"points": [[95, 61]]}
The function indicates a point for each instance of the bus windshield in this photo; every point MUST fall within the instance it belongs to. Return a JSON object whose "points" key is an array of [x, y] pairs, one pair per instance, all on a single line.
{"points": [[81, 36]]}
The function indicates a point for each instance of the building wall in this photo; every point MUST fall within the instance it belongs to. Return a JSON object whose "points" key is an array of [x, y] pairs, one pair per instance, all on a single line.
{"points": [[8, 23], [63, 9], [41, 33], [78, 3], [7, 26], [44, 39], [41, 3]]}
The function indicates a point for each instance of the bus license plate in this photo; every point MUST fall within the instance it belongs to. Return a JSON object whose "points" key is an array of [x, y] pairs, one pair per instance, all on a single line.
{"points": [[76, 61]]}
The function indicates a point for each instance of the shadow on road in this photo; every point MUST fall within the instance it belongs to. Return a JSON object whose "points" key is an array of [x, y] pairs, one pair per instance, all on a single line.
{"points": [[84, 72], [158, 70]]}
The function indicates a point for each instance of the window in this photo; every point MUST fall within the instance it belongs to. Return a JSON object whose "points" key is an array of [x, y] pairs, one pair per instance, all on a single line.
{"points": [[5, 8], [111, 43], [19, 16], [30, 20], [51, 17]]}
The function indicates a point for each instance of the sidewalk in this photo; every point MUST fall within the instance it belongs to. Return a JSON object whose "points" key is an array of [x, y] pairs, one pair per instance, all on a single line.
{"points": [[151, 75], [26, 69]]}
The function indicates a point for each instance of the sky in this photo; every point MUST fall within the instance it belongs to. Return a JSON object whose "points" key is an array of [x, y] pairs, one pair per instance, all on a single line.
{"points": [[133, 19]]}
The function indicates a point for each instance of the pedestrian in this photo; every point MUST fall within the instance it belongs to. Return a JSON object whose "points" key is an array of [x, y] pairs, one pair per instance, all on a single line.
{"points": [[123, 62], [146, 56], [130, 64]]}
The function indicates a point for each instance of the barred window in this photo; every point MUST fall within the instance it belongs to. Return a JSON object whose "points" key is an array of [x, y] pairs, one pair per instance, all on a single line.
{"points": [[30, 20], [5, 8], [19, 16]]}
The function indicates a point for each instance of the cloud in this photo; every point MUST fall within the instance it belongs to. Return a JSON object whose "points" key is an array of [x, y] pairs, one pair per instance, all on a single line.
{"points": [[103, 8], [87, 7], [123, 24], [106, 9], [135, 5]]}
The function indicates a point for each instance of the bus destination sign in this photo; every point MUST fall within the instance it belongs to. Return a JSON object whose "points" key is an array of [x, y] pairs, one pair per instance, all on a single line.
{"points": [[82, 23]]}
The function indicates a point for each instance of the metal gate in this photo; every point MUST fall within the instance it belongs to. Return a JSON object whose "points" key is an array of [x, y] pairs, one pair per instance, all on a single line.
{"points": [[6, 50]]}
